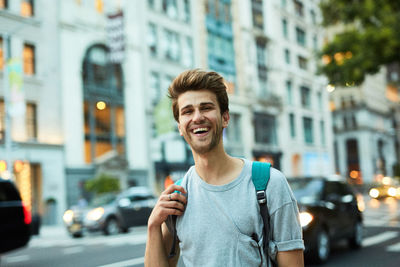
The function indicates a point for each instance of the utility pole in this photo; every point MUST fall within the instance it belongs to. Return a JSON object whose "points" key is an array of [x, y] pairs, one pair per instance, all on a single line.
{"points": [[7, 131]]}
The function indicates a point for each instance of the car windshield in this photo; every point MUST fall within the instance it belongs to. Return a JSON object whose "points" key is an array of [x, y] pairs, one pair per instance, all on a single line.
{"points": [[306, 190], [102, 200]]}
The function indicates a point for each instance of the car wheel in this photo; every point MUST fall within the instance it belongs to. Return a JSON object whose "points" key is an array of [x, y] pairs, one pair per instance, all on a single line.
{"points": [[111, 227], [322, 247], [355, 241], [77, 235]]}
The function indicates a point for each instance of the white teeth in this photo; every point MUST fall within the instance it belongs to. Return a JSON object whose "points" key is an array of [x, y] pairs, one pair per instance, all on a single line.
{"points": [[199, 130]]}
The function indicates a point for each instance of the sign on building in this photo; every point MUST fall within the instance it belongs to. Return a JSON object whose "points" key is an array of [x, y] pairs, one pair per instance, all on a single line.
{"points": [[115, 36]]}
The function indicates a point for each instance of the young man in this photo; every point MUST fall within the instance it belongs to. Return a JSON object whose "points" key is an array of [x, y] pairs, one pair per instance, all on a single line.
{"points": [[218, 219]]}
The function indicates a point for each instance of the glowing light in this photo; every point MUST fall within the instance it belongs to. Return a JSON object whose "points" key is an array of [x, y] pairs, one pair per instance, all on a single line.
{"points": [[305, 218], [330, 88], [101, 105], [354, 174], [349, 84], [386, 180], [392, 191], [374, 193], [18, 166], [326, 59], [3, 165]]}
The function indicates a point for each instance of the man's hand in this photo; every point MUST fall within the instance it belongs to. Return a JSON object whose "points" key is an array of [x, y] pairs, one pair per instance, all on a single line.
{"points": [[169, 203]]}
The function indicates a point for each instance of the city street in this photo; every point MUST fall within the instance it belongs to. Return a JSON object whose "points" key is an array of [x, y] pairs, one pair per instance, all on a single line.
{"points": [[381, 245]]}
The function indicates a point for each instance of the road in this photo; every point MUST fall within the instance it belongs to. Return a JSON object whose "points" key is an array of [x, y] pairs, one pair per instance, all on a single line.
{"points": [[381, 245]]}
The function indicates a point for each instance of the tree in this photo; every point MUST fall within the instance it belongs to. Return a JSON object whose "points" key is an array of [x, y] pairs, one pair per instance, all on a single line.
{"points": [[103, 183], [368, 38]]}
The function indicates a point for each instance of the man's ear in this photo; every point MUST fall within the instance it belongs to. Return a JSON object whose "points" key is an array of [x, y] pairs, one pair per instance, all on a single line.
{"points": [[225, 119]]}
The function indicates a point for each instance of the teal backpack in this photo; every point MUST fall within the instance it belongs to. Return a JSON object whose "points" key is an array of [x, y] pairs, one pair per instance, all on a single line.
{"points": [[260, 176]]}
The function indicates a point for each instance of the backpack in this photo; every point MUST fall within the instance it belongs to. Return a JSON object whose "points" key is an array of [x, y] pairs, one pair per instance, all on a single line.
{"points": [[260, 176]]}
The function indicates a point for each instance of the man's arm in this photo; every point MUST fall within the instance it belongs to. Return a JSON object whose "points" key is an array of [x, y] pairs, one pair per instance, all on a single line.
{"points": [[291, 258], [159, 240]]}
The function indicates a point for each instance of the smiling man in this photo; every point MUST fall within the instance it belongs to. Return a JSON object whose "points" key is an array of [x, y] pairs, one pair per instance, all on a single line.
{"points": [[218, 219]]}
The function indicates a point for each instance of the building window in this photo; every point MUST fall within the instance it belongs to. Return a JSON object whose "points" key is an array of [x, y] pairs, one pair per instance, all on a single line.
{"points": [[289, 92], [265, 129], [31, 121], [302, 62], [308, 130], [300, 36], [1, 54], [322, 126], [29, 59], [186, 11], [2, 122], [292, 125], [151, 4], [287, 56], [299, 8], [187, 52], [261, 60], [171, 47], [285, 29], [319, 95], [169, 7], [233, 132], [152, 39], [3, 4], [27, 8], [305, 97], [315, 42], [258, 19], [155, 93], [313, 17]]}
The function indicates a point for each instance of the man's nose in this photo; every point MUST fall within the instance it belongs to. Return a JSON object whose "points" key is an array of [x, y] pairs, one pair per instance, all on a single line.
{"points": [[197, 116]]}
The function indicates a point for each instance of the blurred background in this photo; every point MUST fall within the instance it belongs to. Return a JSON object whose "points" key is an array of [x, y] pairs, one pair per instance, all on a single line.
{"points": [[313, 88]]}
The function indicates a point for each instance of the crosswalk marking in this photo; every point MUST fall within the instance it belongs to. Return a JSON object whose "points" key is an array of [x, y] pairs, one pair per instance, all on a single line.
{"points": [[394, 248], [73, 250], [125, 263], [17, 259], [379, 238]]}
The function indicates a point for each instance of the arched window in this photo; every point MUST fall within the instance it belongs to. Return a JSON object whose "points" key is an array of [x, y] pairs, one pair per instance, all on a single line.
{"points": [[104, 119]]}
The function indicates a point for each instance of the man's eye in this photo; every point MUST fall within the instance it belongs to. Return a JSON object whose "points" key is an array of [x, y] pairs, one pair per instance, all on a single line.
{"points": [[186, 112]]}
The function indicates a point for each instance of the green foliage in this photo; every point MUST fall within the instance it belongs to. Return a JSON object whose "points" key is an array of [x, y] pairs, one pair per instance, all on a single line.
{"points": [[103, 183], [370, 37]]}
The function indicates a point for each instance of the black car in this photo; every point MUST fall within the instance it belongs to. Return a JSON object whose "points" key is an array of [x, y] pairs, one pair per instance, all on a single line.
{"points": [[329, 212], [15, 218], [111, 213]]}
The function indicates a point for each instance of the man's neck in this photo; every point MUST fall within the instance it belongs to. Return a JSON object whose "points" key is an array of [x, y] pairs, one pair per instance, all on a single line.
{"points": [[217, 167]]}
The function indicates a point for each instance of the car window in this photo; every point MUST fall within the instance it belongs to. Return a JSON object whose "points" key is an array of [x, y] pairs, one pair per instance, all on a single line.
{"points": [[8, 192], [102, 200], [306, 190], [140, 197]]}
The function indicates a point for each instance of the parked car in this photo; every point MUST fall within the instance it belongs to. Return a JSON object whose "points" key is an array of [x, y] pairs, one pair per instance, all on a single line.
{"points": [[329, 212], [387, 187], [15, 222], [111, 213]]}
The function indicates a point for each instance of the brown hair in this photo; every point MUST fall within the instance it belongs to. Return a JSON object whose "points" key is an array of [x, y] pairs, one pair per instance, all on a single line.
{"points": [[194, 80]]}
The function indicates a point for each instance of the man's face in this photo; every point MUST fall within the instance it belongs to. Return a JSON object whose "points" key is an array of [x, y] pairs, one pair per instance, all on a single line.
{"points": [[200, 120]]}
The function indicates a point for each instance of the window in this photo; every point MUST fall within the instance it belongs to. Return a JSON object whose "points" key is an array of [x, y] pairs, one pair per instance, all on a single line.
{"points": [[265, 129], [261, 61], [302, 62], [27, 9], [287, 56], [285, 29], [313, 17], [2, 122], [299, 8], [258, 19], [3, 4], [233, 132], [305, 97], [292, 125], [171, 47], [1, 54], [308, 130], [29, 59], [31, 121], [155, 93], [289, 92], [315, 42], [322, 126], [169, 7], [152, 39], [151, 4], [300, 36], [187, 52], [320, 101], [186, 10]]}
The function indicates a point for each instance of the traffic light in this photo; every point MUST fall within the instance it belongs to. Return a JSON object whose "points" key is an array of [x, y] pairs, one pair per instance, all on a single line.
{"points": [[3, 165], [18, 166]]}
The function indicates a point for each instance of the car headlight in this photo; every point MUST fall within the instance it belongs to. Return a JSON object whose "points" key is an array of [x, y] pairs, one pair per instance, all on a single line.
{"points": [[68, 216], [392, 191], [305, 218], [374, 193], [95, 214]]}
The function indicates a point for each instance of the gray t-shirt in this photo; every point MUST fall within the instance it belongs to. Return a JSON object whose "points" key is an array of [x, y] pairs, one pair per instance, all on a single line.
{"points": [[217, 226]]}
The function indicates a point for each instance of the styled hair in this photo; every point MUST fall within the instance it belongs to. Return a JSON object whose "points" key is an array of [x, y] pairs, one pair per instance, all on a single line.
{"points": [[195, 80]]}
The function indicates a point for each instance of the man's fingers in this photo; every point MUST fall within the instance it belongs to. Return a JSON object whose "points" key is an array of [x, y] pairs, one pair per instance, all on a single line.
{"points": [[172, 188]]}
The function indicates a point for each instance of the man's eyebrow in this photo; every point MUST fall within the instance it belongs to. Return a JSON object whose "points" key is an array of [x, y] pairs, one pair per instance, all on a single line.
{"points": [[207, 103]]}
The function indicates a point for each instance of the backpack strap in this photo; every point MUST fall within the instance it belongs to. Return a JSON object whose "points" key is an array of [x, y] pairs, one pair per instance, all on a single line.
{"points": [[172, 252], [260, 175]]}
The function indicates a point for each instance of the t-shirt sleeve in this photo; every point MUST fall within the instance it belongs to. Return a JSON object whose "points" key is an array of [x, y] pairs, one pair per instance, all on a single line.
{"points": [[284, 215]]}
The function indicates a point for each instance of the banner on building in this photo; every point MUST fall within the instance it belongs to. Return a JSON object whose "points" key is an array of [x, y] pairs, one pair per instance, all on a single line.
{"points": [[115, 37], [17, 93]]}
